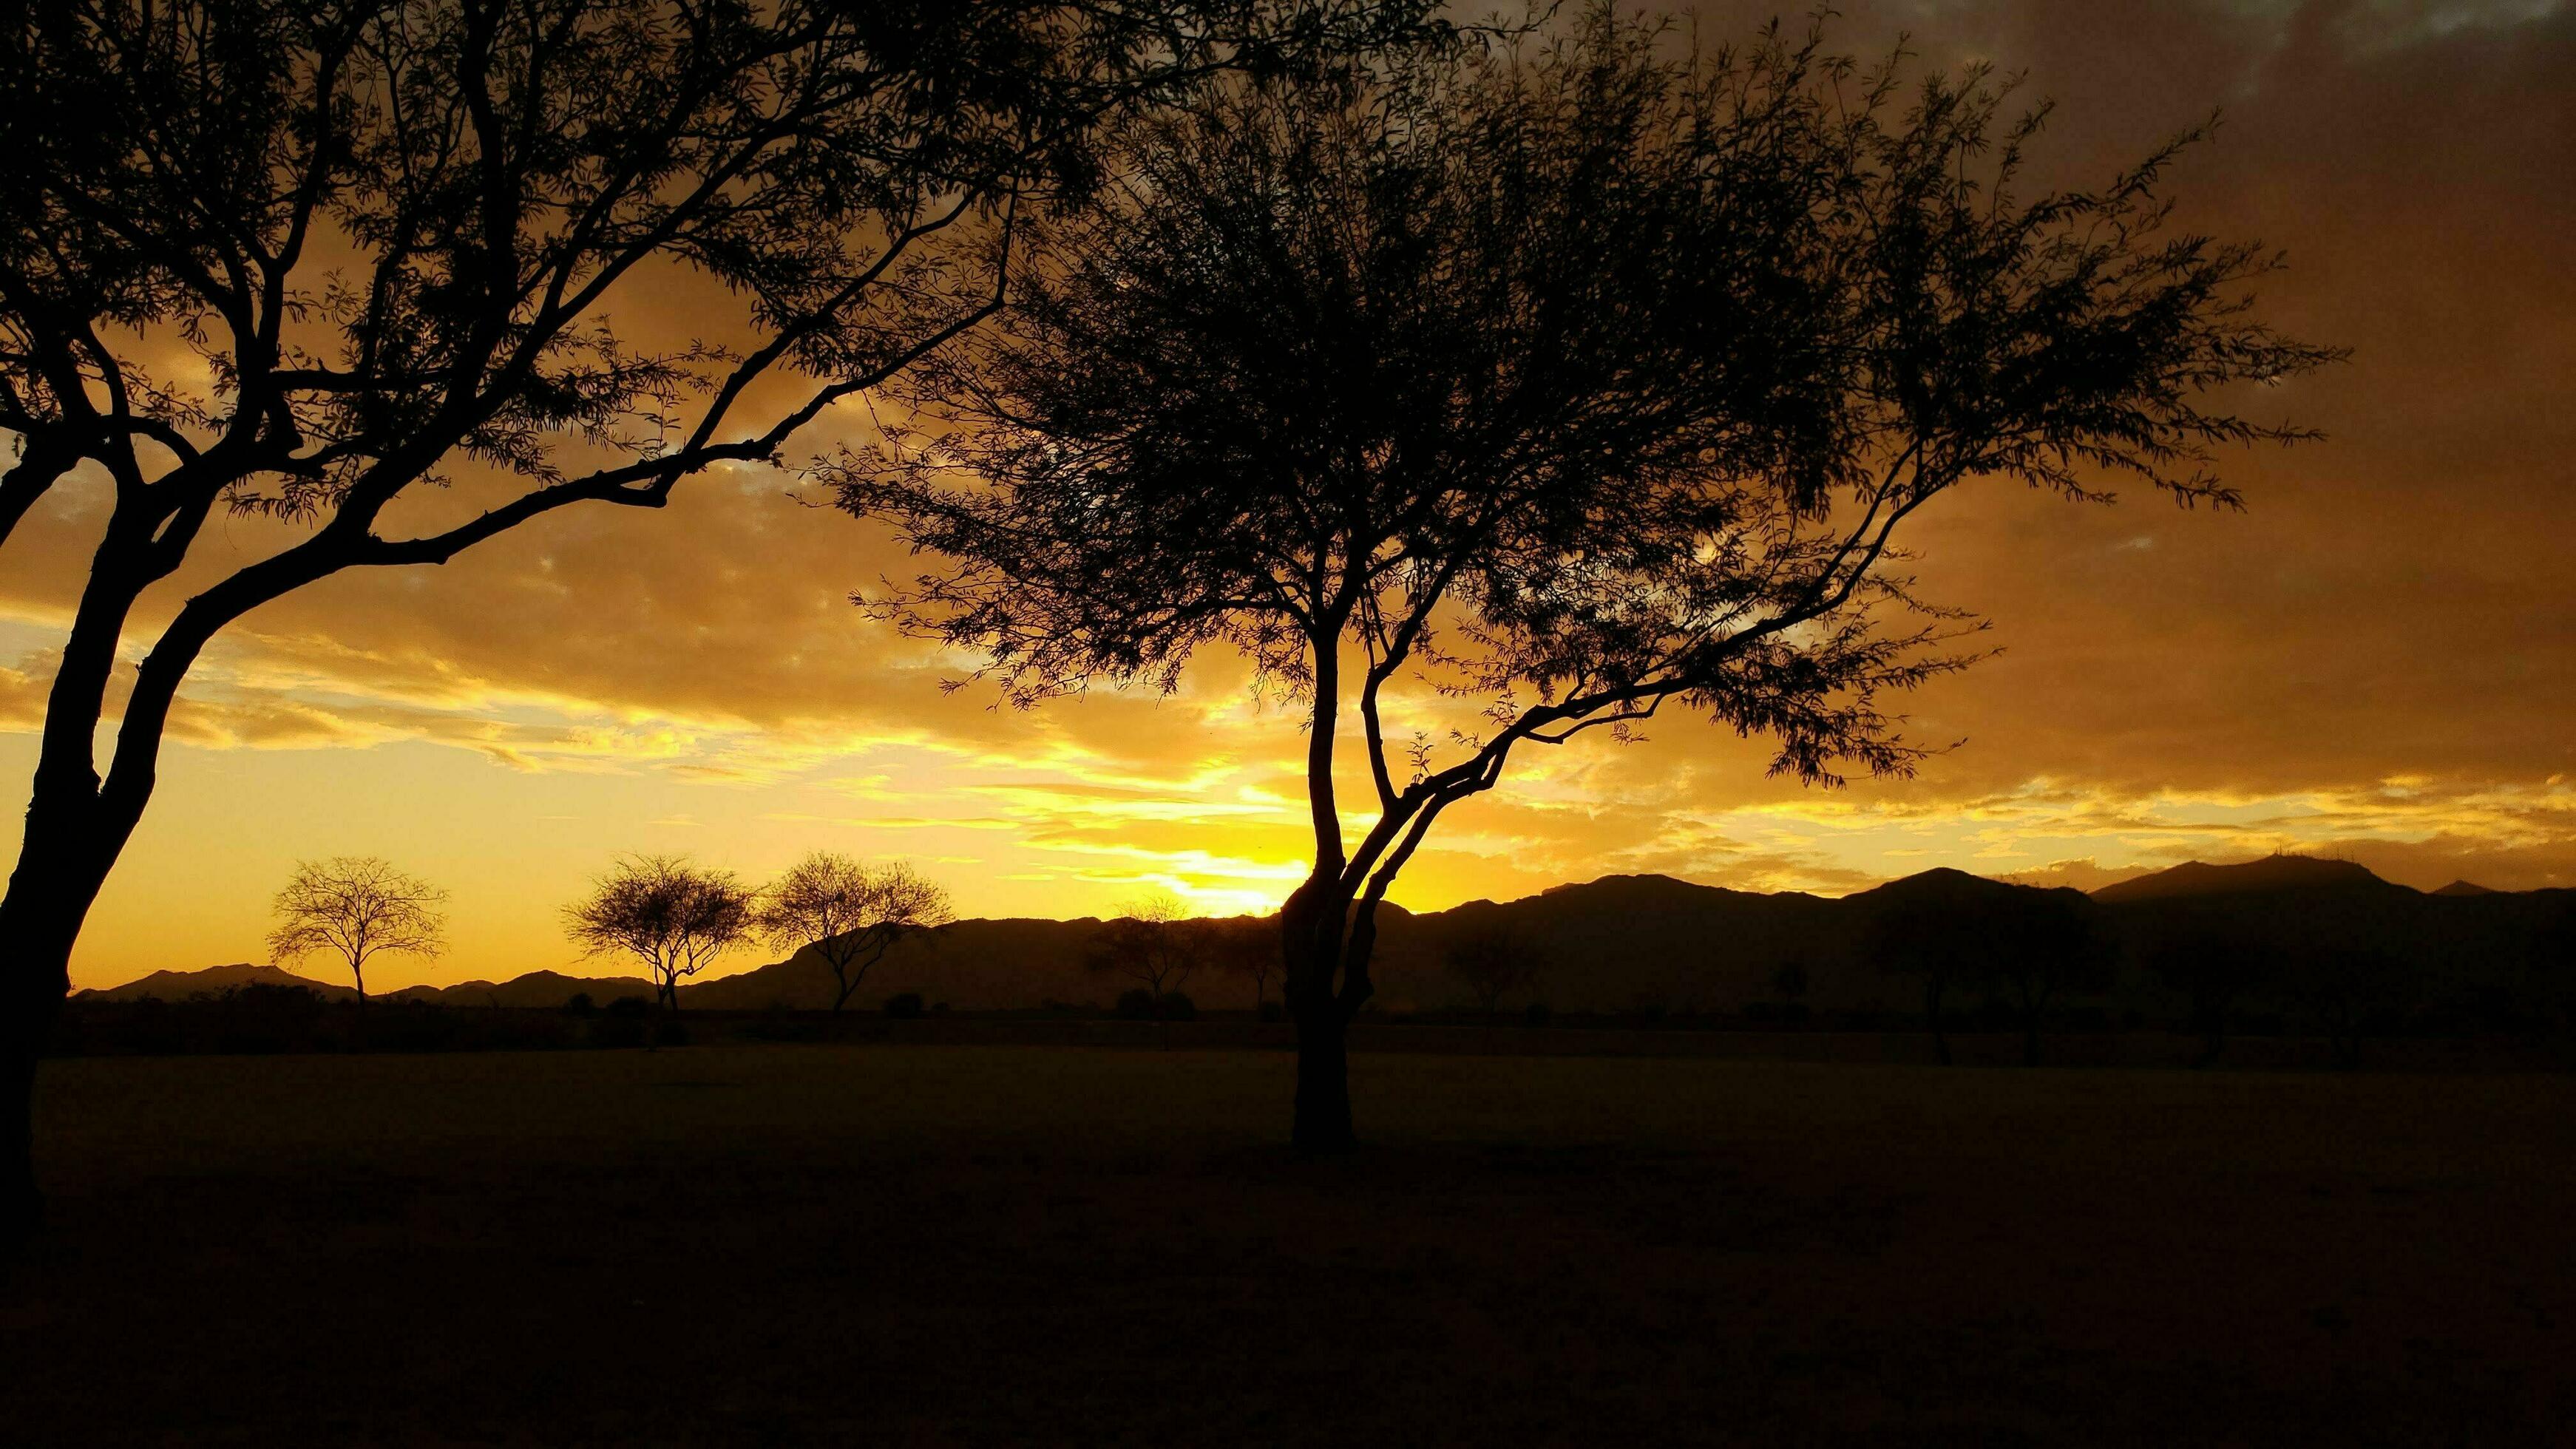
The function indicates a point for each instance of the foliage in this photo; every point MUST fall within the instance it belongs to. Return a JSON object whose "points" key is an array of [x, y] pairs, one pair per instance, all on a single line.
{"points": [[1152, 943], [848, 913], [672, 916], [1541, 389], [356, 907], [1492, 964], [904, 1005]]}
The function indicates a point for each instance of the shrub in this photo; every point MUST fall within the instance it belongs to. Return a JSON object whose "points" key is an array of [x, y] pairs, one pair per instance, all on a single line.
{"points": [[1536, 1013], [1136, 1005], [579, 1004], [904, 1005]]}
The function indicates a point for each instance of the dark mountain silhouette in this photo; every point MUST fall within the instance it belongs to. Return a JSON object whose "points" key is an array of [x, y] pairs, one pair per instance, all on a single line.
{"points": [[180, 985], [2272, 874], [1650, 945], [2463, 888], [536, 988]]}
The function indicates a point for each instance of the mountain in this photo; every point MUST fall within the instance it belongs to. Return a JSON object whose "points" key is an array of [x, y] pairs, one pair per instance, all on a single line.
{"points": [[180, 985], [2272, 874], [2463, 888], [536, 988], [1651, 944]]}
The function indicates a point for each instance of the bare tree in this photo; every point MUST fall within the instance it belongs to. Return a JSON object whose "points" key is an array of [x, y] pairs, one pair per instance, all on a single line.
{"points": [[1150, 943], [356, 907], [1491, 964], [849, 914], [1247, 947], [391, 236], [1554, 388], [672, 916]]}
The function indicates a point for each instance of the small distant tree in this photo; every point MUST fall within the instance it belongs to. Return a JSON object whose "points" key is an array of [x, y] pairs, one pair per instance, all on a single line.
{"points": [[1247, 947], [663, 911], [1492, 965], [2343, 988], [848, 913], [1925, 939], [2213, 957], [2047, 945], [1790, 981], [1150, 944], [356, 907]]}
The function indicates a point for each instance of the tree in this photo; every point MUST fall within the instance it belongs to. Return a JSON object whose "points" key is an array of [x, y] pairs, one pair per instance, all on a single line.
{"points": [[393, 234], [356, 907], [1151, 944], [2047, 944], [2214, 954], [672, 916], [1931, 926], [1534, 392], [2345, 988], [848, 914], [1247, 947], [1491, 964]]}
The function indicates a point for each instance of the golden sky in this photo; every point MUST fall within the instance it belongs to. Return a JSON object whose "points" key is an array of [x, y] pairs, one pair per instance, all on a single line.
{"points": [[2377, 659]]}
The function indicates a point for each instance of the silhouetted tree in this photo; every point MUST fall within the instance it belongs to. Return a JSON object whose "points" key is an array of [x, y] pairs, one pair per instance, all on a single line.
{"points": [[2213, 957], [2046, 944], [1492, 965], [389, 237], [1150, 943], [672, 916], [1790, 981], [1247, 947], [1934, 936], [356, 907], [1565, 385], [847, 913], [2343, 988]]}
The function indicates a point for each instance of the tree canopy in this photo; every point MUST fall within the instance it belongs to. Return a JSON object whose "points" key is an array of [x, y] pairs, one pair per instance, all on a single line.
{"points": [[1546, 387], [357, 907]]}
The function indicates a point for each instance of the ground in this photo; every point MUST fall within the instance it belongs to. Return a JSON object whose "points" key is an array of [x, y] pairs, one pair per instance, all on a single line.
{"points": [[874, 1244]]}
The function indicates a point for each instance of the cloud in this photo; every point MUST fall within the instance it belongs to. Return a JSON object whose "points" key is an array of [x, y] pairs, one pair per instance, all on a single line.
{"points": [[2377, 657]]}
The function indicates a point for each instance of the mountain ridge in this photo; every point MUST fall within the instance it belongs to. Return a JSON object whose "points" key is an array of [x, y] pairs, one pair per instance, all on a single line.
{"points": [[1625, 942]]}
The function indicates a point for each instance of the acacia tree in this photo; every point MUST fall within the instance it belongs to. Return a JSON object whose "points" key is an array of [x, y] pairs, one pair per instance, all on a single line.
{"points": [[1248, 947], [1492, 964], [849, 914], [393, 233], [356, 907], [1151, 944], [2048, 944], [1533, 392], [672, 916]]}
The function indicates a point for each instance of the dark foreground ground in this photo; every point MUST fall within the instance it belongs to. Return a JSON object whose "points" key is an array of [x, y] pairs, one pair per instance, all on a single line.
{"points": [[885, 1245]]}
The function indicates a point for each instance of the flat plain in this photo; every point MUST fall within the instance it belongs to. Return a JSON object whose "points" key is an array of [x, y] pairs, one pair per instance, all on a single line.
{"points": [[920, 1245]]}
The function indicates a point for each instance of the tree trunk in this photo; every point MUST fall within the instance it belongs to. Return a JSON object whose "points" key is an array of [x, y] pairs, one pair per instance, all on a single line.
{"points": [[1323, 1125], [48, 897], [1312, 926]]}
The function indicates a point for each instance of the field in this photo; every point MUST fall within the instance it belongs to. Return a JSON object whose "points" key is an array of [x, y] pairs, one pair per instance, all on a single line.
{"points": [[881, 1245]]}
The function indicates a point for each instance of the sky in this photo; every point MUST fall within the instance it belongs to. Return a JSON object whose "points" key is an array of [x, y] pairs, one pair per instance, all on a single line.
{"points": [[2375, 660]]}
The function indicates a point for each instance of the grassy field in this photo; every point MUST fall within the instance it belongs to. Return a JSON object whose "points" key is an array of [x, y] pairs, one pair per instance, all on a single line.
{"points": [[928, 1245]]}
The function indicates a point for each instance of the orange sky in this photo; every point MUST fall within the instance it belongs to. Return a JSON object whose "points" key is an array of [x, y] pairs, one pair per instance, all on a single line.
{"points": [[2377, 660]]}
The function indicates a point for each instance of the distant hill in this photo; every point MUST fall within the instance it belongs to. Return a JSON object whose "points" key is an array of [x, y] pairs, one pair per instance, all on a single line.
{"points": [[180, 985], [2270, 875], [2463, 888], [1653, 944]]}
